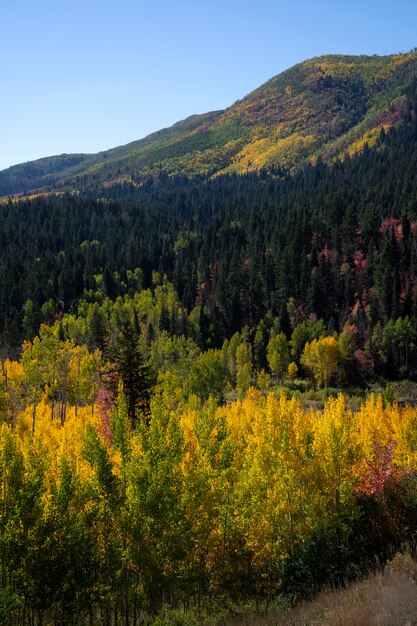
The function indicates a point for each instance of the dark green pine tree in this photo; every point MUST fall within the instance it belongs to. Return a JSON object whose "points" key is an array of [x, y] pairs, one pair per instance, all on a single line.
{"points": [[129, 367], [164, 319], [109, 284], [386, 277], [97, 330]]}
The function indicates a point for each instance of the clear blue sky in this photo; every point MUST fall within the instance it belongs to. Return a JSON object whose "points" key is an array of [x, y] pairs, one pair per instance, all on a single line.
{"points": [[84, 75]]}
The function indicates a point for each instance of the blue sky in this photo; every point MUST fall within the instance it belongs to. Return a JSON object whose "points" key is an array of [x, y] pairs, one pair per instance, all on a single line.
{"points": [[84, 75]]}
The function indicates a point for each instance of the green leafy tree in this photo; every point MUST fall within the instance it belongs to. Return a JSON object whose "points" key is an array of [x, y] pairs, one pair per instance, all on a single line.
{"points": [[208, 376], [97, 455], [243, 367], [278, 355], [305, 332]]}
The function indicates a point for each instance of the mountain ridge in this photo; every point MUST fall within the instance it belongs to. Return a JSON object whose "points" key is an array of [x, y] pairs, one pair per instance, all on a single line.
{"points": [[325, 107]]}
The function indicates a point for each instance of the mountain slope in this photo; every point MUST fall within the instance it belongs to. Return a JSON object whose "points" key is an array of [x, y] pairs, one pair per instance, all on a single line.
{"points": [[324, 107]]}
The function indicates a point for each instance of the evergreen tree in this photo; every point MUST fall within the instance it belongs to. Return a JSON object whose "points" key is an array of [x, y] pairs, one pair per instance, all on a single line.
{"points": [[129, 367]]}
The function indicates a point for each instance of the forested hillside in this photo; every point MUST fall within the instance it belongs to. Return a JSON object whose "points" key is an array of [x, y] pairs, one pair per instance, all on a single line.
{"points": [[200, 374], [332, 243]]}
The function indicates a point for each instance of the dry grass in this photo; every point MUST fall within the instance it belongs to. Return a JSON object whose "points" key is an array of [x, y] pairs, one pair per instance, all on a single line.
{"points": [[386, 599]]}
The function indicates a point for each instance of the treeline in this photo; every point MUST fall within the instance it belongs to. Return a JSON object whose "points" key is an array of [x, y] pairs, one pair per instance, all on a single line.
{"points": [[339, 241], [262, 355]]}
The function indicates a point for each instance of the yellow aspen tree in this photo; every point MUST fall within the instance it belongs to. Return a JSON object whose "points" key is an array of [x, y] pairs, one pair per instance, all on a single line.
{"points": [[292, 371], [336, 450], [321, 357]]}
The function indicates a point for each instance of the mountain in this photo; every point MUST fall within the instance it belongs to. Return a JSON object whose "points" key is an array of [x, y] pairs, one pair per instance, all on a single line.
{"points": [[325, 107]]}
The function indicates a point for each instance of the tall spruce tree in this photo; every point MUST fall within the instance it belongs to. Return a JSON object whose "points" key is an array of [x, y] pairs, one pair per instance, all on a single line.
{"points": [[129, 367]]}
